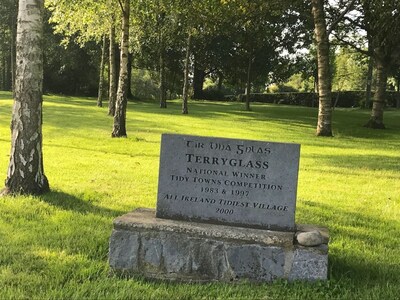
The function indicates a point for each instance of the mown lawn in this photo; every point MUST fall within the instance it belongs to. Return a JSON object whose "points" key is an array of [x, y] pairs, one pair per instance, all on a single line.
{"points": [[55, 246]]}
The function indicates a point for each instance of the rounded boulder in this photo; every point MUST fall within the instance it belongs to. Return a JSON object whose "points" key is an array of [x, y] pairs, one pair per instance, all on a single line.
{"points": [[310, 238]]}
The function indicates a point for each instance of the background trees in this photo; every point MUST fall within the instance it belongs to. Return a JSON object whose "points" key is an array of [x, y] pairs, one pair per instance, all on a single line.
{"points": [[8, 26], [372, 31], [235, 45]]}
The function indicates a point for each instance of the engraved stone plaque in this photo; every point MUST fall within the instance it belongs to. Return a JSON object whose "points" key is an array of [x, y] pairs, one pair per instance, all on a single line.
{"points": [[227, 181]]}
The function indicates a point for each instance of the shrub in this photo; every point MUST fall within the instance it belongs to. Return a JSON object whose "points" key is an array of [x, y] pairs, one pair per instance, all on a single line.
{"points": [[339, 99], [213, 94]]}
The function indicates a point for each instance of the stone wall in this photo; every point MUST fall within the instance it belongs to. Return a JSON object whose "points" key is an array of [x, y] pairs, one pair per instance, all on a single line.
{"points": [[144, 245]]}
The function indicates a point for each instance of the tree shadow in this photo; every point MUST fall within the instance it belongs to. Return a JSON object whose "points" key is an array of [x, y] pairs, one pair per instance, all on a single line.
{"points": [[344, 126], [69, 202], [358, 161]]}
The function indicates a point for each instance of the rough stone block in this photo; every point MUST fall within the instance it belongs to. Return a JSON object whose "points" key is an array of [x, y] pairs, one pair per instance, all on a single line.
{"points": [[256, 262], [152, 249], [177, 250], [310, 263], [124, 250]]}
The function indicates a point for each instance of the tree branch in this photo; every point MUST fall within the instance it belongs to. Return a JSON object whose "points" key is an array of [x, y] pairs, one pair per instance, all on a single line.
{"points": [[356, 23], [122, 7], [341, 16], [210, 71], [347, 43]]}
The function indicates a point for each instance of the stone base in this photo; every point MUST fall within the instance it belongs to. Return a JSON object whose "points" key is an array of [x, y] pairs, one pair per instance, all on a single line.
{"points": [[142, 244]]}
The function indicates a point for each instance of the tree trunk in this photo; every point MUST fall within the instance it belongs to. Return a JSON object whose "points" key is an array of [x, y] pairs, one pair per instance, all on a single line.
{"points": [[119, 128], [369, 82], [324, 126], [129, 92], [163, 91], [113, 74], [198, 81], [25, 172], [12, 53], [8, 73], [220, 80], [100, 94], [185, 93], [248, 83], [398, 93], [4, 74], [173, 83], [376, 120]]}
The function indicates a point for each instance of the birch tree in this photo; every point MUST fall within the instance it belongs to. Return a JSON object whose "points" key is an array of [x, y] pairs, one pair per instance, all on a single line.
{"points": [[100, 94], [380, 20], [119, 126], [112, 90], [324, 125], [25, 171]]}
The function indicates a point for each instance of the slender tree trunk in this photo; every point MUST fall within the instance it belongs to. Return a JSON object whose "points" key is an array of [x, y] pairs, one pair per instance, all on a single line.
{"points": [[315, 75], [185, 93], [3, 73], [129, 92], [376, 120], [100, 94], [324, 126], [119, 128], [112, 95], [398, 93], [7, 72], [173, 83], [248, 83], [198, 80], [12, 52], [162, 95], [220, 80], [25, 172], [369, 82]]}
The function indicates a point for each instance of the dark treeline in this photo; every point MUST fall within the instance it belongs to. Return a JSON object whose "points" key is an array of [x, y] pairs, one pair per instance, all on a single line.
{"points": [[228, 48]]}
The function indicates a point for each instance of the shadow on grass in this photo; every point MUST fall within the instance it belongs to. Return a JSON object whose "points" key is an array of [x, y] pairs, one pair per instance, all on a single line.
{"points": [[363, 244], [358, 161], [68, 202], [94, 150], [347, 123]]}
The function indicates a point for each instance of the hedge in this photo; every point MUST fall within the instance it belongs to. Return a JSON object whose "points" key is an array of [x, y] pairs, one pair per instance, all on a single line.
{"points": [[339, 99]]}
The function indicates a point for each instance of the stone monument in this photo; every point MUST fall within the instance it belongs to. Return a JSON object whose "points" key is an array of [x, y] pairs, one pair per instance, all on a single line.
{"points": [[225, 212]]}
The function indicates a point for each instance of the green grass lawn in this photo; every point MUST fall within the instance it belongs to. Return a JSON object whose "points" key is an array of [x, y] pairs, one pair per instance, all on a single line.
{"points": [[55, 246]]}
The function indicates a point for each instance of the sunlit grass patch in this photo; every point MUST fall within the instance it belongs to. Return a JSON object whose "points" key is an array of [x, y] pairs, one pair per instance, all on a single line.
{"points": [[55, 246]]}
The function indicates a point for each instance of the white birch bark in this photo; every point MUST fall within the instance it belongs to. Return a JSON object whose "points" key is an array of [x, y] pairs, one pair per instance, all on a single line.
{"points": [[119, 128], [25, 171]]}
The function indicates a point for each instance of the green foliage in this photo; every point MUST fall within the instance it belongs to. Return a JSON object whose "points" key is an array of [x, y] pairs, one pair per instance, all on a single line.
{"points": [[144, 85], [281, 88], [81, 21], [55, 246], [350, 71], [301, 83], [213, 92], [70, 70]]}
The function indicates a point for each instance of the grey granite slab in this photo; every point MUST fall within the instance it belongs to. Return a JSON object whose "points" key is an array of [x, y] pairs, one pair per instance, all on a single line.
{"points": [[228, 181]]}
